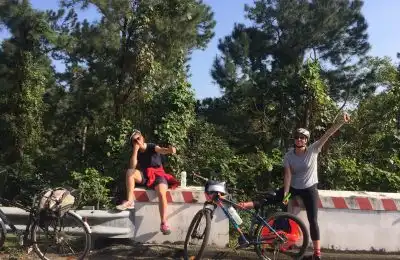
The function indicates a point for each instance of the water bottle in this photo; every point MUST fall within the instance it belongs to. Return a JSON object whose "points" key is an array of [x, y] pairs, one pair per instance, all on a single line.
{"points": [[183, 179], [235, 215]]}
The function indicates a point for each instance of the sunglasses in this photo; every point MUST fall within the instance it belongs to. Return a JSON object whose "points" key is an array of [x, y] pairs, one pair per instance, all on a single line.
{"points": [[134, 140], [301, 137]]}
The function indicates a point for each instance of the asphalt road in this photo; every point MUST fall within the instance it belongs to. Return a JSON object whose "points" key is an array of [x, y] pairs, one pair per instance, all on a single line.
{"points": [[176, 252], [158, 252]]}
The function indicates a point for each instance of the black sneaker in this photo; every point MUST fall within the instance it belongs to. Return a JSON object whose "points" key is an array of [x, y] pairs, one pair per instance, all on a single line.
{"points": [[243, 243]]}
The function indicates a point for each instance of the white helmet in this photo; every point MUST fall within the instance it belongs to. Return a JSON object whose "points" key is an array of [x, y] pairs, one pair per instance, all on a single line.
{"points": [[304, 132]]}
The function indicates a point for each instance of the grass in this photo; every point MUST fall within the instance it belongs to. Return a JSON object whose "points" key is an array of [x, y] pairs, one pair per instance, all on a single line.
{"points": [[11, 249]]}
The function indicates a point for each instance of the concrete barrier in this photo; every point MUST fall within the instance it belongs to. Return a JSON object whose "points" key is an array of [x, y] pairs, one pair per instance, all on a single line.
{"points": [[183, 204], [142, 224], [366, 221]]}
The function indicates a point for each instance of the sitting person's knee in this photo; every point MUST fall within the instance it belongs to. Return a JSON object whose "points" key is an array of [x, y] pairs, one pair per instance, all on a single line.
{"points": [[134, 174]]}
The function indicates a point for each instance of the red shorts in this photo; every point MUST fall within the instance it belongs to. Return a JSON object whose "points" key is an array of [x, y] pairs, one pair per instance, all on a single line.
{"points": [[155, 176]]}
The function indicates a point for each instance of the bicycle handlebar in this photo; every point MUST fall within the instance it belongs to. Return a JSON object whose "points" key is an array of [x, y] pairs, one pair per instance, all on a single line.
{"points": [[286, 198], [228, 188]]}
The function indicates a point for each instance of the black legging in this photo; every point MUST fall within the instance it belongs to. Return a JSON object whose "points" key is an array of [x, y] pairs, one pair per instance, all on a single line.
{"points": [[310, 199]]}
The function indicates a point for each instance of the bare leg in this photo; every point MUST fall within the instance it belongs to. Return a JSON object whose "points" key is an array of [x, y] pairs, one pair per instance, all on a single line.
{"points": [[161, 190], [132, 177], [246, 204], [317, 245]]}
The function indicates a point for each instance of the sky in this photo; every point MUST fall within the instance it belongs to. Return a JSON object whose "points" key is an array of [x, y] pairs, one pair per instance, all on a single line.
{"points": [[381, 15]]}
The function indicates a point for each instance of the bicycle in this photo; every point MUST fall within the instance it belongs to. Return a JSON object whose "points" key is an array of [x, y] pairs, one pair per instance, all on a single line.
{"points": [[49, 226], [269, 233]]}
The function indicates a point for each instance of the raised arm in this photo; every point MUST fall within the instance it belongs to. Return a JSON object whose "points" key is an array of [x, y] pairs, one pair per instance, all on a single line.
{"points": [[339, 123], [162, 150], [133, 160]]}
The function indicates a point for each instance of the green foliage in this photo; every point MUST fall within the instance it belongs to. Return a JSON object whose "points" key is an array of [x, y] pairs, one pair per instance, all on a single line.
{"points": [[209, 153], [117, 150], [28, 126], [92, 188], [366, 155], [348, 174], [117, 141], [25, 75], [129, 70], [177, 105], [315, 105], [264, 78]]}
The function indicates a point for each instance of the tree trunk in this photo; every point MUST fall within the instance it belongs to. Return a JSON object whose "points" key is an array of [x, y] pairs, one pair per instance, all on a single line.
{"points": [[84, 133]]}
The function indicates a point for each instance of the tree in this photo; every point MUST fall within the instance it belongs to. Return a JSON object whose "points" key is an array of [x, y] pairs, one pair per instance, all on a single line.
{"points": [[260, 66], [134, 44], [366, 156], [25, 75]]}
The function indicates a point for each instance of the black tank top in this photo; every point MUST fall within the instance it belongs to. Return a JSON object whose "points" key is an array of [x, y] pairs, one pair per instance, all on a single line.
{"points": [[149, 157]]}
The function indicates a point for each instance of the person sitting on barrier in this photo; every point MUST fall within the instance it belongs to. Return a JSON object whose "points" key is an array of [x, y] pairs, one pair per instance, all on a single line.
{"points": [[145, 168]]}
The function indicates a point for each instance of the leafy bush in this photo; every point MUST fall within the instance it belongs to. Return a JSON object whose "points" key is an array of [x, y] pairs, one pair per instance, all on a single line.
{"points": [[92, 188]]}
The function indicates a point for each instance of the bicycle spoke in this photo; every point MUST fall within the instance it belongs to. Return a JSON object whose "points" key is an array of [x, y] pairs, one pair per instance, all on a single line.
{"points": [[69, 238], [192, 250], [285, 235]]}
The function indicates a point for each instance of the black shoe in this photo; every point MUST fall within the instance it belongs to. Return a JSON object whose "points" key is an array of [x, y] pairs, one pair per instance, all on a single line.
{"points": [[242, 243]]}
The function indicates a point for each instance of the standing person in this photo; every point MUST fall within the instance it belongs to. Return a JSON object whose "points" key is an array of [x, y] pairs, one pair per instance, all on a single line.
{"points": [[301, 176], [145, 168]]}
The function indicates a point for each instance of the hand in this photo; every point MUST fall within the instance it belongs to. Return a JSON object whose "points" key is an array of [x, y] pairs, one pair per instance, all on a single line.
{"points": [[172, 150], [285, 200], [136, 146], [346, 117]]}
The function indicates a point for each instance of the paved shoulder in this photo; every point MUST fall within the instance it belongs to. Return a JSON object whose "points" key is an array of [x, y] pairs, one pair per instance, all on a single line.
{"points": [[168, 251]]}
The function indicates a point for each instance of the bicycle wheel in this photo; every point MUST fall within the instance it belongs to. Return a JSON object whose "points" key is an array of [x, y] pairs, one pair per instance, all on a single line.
{"points": [[193, 233], [290, 228], [57, 235], [2, 233]]}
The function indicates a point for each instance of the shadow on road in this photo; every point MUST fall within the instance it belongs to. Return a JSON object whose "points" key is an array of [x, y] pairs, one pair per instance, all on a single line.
{"points": [[131, 250]]}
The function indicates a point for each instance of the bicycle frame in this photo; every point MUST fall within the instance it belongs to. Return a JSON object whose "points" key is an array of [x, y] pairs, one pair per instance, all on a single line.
{"points": [[218, 201]]}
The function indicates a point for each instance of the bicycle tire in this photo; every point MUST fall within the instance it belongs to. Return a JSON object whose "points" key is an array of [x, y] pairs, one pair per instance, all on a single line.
{"points": [[195, 220], [3, 233], [295, 219], [78, 219]]}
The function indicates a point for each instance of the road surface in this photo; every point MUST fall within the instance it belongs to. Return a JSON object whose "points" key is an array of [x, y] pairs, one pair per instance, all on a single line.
{"points": [[166, 252], [176, 252]]}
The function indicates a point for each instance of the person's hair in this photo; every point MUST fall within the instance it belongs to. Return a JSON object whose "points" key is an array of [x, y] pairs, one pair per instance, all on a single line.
{"points": [[134, 132]]}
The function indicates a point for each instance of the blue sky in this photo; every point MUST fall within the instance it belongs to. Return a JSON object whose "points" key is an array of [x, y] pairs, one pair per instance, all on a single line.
{"points": [[381, 15]]}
